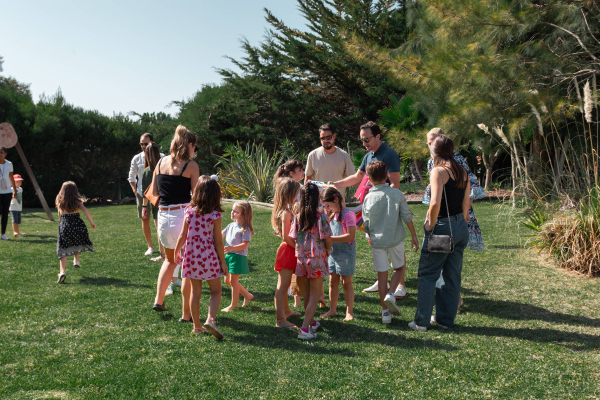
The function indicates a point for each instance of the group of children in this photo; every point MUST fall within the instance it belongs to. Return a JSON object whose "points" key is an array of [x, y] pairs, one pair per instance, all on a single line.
{"points": [[318, 238]]}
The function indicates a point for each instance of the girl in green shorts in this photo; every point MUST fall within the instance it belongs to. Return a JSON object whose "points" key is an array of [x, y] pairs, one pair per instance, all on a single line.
{"points": [[237, 236]]}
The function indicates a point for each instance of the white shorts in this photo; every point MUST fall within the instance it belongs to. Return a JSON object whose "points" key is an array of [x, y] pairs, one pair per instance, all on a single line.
{"points": [[170, 223], [380, 257]]}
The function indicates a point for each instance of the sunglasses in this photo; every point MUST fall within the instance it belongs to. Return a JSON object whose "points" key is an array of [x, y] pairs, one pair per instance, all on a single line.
{"points": [[326, 138], [367, 139], [144, 144]]}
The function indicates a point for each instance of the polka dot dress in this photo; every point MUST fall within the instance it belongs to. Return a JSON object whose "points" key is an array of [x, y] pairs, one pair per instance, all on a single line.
{"points": [[73, 236]]}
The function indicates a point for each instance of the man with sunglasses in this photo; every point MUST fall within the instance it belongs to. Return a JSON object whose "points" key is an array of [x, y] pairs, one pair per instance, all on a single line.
{"points": [[328, 162], [370, 136], [135, 181]]}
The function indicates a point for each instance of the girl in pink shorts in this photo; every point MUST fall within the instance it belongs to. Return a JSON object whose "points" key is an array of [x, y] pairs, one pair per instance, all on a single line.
{"points": [[312, 233]]}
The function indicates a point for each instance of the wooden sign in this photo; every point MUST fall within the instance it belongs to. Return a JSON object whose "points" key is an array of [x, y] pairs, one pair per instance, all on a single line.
{"points": [[8, 139], [8, 136]]}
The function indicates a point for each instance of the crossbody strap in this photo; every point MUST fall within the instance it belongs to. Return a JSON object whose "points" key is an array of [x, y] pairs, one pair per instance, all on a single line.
{"points": [[445, 198]]}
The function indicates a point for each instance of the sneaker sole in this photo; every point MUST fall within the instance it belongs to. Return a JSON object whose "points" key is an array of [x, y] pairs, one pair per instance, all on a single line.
{"points": [[306, 337], [400, 297], [214, 331], [61, 279], [392, 307], [370, 291]]}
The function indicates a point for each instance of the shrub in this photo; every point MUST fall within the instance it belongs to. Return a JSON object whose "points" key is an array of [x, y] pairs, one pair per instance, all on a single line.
{"points": [[247, 173]]}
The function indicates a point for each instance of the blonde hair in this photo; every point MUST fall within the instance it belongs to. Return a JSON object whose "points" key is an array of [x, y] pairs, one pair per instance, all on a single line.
{"points": [[246, 215], [69, 199], [179, 145], [285, 196]]}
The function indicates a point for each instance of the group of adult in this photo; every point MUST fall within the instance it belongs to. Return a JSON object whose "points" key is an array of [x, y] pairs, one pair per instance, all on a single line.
{"points": [[176, 175]]}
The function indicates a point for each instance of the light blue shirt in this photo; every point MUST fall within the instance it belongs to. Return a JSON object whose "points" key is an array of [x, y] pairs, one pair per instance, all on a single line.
{"points": [[384, 210]]}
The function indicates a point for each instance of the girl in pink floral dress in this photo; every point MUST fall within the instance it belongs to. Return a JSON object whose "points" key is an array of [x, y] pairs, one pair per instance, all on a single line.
{"points": [[203, 252], [312, 233]]}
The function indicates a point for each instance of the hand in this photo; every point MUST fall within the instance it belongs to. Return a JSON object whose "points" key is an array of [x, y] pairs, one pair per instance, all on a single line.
{"points": [[228, 249], [415, 243], [428, 228], [14, 196], [93, 225], [224, 268], [467, 218], [178, 258]]}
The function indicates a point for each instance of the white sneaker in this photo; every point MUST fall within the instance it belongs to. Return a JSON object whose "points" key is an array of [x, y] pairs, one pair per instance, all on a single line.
{"points": [[386, 317], [306, 335], [76, 264], [314, 326], [413, 325], [390, 302], [177, 282], [400, 293], [169, 291], [434, 321], [372, 289], [149, 252], [4, 237]]}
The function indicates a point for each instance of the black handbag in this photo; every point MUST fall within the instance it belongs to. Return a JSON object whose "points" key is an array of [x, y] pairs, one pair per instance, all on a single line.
{"points": [[441, 243]]}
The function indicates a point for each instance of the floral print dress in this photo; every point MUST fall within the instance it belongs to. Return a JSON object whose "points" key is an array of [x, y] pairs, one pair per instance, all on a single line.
{"points": [[200, 258], [310, 248]]}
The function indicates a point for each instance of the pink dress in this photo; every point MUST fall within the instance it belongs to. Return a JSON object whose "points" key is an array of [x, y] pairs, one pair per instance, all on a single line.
{"points": [[200, 259], [310, 248]]}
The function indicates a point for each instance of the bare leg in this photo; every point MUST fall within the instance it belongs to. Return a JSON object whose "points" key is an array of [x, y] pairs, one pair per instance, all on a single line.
{"points": [[164, 276], [215, 298], [16, 229], [186, 289], [334, 294], [283, 283], [397, 277], [196, 289], [63, 265], [315, 288], [147, 232], [297, 301], [161, 248], [348, 296], [232, 280], [382, 279]]}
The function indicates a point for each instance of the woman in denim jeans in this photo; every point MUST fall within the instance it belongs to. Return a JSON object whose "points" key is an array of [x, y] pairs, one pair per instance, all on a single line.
{"points": [[448, 211]]}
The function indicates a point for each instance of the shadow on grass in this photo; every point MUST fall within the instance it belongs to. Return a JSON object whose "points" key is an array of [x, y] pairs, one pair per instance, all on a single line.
{"points": [[500, 246], [522, 311], [572, 340], [339, 332], [107, 281]]}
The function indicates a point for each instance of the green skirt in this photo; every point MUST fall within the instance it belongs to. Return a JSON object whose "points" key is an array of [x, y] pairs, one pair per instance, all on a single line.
{"points": [[237, 264]]}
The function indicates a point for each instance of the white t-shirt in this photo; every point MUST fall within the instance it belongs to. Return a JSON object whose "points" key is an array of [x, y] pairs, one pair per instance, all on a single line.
{"points": [[17, 204], [5, 170], [325, 167]]}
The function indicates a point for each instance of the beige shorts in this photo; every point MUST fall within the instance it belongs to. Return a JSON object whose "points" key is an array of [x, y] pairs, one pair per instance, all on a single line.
{"points": [[380, 257]]}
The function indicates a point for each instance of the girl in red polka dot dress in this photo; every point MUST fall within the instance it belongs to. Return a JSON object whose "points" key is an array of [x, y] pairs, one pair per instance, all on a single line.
{"points": [[203, 251]]}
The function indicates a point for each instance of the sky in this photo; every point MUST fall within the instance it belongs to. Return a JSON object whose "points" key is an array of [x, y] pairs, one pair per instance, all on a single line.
{"points": [[122, 56]]}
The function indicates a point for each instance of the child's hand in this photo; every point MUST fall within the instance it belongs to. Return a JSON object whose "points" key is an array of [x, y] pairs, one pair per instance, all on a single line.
{"points": [[93, 225], [228, 249], [415, 243], [224, 268], [178, 258]]}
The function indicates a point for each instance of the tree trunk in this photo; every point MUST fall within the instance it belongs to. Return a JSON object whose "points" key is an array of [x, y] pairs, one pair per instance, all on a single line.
{"points": [[513, 174], [417, 171]]}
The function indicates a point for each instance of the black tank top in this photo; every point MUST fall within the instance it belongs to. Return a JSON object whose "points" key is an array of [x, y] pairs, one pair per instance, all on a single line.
{"points": [[455, 196], [173, 189]]}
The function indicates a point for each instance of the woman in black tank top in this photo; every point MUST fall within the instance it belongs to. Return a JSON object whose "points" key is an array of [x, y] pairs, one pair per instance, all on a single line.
{"points": [[447, 215], [175, 176]]}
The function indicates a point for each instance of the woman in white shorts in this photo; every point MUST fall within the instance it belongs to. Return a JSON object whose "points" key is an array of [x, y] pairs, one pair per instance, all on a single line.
{"points": [[175, 177]]}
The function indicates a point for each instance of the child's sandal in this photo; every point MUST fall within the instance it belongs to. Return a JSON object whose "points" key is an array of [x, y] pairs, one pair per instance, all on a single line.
{"points": [[197, 331], [211, 326]]}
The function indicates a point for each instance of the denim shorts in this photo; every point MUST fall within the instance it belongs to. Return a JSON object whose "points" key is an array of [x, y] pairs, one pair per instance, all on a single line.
{"points": [[16, 217], [170, 223]]}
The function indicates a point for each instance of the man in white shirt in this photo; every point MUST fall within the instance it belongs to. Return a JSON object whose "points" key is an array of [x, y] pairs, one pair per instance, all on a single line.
{"points": [[135, 175], [328, 163]]}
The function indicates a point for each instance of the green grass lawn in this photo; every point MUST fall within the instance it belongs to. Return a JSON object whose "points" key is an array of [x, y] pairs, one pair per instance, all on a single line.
{"points": [[527, 330]]}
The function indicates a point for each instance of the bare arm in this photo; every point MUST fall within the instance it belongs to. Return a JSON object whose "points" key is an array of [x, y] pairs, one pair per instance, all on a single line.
{"points": [[307, 178], [13, 184], [328, 243], [237, 247], [132, 174], [466, 204], [394, 178], [351, 180], [414, 241], [436, 197], [86, 212], [194, 174], [285, 225], [219, 243], [182, 236], [347, 237]]}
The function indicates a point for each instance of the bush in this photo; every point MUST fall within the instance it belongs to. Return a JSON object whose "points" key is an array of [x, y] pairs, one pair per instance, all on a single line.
{"points": [[248, 173], [572, 237]]}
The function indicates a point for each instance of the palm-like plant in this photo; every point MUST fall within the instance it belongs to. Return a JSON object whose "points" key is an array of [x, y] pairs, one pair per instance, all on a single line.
{"points": [[247, 173]]}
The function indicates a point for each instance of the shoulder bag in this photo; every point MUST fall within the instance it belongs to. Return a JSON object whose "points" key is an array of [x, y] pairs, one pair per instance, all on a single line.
{"points": [[441, 243]]}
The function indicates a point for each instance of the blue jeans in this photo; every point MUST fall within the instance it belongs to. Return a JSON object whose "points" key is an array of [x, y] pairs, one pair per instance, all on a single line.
{"points": [[450, 264]]}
